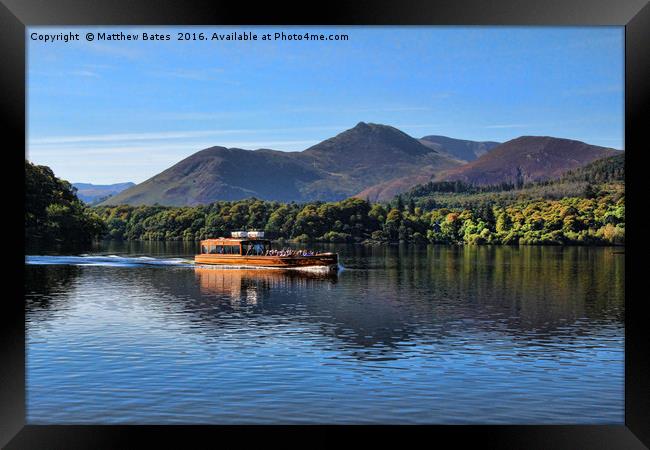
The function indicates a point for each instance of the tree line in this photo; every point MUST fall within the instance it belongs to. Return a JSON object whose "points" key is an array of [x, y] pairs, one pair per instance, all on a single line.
{"points": [[596, 179], [54, 213], [575, 220]]}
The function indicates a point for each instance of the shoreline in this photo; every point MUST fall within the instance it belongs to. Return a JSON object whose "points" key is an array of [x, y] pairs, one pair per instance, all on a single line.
{"points": [[364, 243]]}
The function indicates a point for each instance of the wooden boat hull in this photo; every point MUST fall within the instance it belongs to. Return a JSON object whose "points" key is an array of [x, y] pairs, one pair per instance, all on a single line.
{"points": [[329, 260]]}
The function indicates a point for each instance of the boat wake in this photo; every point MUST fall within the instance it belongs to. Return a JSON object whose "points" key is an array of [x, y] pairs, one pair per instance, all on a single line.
{"points": [[107, 261], [138, 261]]}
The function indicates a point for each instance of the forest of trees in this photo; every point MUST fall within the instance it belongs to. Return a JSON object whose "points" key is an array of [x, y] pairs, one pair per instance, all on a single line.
{"points": [[599, 178], [601, 171], [585, 206], [53, 213], [591, 212], [599, 220]]}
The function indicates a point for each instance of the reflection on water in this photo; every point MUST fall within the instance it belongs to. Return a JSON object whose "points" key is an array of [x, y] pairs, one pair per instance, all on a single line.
{"points": [[403, 335], [248, 285]]}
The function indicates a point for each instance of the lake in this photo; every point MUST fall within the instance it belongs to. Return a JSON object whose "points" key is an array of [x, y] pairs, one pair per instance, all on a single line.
{"points": [[130, 333]]}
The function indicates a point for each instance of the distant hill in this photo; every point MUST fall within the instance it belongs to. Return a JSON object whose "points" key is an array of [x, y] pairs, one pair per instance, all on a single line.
{"points": [[460, 149], [368, 161], [220, 173], [526, 159], [89, 193], [332, 170], [600, 177], [370, 154]]}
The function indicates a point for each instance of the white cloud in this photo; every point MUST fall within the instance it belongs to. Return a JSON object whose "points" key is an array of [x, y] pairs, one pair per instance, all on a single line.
{"points": [[146, 150], [163, 135], [509, 125], [117, 137]]}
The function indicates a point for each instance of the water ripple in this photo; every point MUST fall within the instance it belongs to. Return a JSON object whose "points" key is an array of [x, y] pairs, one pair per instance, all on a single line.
{"points": [[131, 339]]}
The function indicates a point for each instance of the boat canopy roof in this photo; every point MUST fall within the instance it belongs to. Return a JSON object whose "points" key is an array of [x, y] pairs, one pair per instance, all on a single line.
{"points": [[231, 241]]}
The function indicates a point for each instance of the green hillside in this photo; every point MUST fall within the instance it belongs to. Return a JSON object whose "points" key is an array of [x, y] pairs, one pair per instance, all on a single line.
{"points": [[604, 176]]}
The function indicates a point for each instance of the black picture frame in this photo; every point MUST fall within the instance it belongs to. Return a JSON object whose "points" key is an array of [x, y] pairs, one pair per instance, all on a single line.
{"points": [[15, 15]]}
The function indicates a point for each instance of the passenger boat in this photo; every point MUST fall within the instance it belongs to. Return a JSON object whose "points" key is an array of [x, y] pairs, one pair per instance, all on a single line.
{"points": [[250, 249]]}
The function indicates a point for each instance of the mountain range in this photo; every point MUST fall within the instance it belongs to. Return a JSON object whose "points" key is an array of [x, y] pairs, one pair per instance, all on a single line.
{"points": [[526, 159], [89, 193], [368, 161], [331, 170], [460, 149]]}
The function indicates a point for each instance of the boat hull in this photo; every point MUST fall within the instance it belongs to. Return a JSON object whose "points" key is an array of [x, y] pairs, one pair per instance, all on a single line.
{"points": [[329, 260]]}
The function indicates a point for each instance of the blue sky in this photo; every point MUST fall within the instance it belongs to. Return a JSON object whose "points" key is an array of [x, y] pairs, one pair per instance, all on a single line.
{"points": [[114, 111]]}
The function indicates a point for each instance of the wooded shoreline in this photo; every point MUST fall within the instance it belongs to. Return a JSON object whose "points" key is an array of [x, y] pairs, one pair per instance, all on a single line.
{"points": [[583, 209]]}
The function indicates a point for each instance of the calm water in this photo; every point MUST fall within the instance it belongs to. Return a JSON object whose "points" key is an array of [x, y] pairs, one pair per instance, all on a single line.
{"points": [[434, 334]]}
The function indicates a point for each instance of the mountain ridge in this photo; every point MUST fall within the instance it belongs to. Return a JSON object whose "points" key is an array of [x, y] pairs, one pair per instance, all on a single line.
{"points": [[331, 170], [89, 192], [527, 158], [369, 161], [461, 149]]}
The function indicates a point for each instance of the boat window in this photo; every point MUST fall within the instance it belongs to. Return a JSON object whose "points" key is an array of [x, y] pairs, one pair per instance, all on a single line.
{"points": [[254, 248], [204, 249], [220, 249], [213, 249]]}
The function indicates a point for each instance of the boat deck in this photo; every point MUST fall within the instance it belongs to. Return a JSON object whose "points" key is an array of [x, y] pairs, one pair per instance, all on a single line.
{"points": [[325, 259]]}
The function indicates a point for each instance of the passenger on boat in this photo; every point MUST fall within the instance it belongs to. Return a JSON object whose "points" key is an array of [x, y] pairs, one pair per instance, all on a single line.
{"points": [[290, 252]]}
